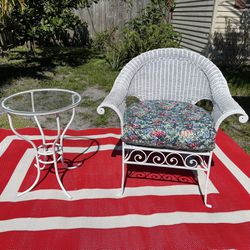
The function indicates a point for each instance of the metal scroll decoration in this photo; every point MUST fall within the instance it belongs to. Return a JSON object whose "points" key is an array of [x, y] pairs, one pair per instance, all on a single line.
{"points": [[166, 159]]}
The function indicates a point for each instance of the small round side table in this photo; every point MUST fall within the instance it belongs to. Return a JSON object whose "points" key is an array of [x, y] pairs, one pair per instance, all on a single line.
{"points": [[43, 102]]}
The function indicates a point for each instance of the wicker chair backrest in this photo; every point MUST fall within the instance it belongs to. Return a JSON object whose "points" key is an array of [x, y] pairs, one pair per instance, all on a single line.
{"points": [[170, 74]]}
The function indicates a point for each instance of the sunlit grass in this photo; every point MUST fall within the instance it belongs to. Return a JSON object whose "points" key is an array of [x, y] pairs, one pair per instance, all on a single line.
{"points": [[18, 122]]}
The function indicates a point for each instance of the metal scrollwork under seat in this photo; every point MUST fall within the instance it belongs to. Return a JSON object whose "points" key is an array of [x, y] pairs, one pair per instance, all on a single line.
{"points": [[167, 158], [162, 79], [42, 102]]}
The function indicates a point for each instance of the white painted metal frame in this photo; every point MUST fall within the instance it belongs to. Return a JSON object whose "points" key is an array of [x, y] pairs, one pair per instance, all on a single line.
{"points": [[167, 158], [47, 149], [172, 74]]}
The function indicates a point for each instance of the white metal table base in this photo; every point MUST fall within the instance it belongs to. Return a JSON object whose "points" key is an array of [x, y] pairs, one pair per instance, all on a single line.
{"points": [[46, 150]]}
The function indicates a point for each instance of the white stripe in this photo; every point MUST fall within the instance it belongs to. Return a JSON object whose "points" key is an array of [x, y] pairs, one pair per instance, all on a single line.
{"points": [[238, 174], [124, 221], [97, 136], [103, 193], [5, 143], [18, 176], [11, 189]]}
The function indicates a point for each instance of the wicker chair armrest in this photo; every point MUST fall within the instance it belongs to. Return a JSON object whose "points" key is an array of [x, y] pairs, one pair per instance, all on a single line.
{"points": [[116, 100], [225, 106]]}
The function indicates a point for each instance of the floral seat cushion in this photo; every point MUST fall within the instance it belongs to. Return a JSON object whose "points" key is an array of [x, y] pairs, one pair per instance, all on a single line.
{"points": [[169, 124]]}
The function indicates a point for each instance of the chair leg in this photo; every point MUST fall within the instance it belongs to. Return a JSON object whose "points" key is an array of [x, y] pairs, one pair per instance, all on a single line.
{"points": [[207, 181], [123, 172]]}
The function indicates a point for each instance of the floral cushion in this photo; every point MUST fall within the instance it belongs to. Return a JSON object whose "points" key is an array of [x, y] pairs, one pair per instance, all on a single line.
{"points": [[169, 124]]}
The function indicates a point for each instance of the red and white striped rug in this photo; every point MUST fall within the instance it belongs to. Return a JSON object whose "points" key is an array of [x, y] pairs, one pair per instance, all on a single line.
{"points": [[162, 209]]}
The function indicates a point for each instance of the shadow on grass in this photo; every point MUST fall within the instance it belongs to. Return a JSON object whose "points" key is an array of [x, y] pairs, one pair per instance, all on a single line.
{"points": [[244, 102], [238, 75], [24, 64]]}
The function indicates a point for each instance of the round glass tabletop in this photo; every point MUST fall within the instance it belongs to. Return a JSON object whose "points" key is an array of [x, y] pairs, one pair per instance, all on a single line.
{"points": [[41, 102]]}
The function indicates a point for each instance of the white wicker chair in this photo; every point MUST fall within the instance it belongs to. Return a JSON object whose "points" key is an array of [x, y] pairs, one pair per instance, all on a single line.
{"points": [[171, 74]]}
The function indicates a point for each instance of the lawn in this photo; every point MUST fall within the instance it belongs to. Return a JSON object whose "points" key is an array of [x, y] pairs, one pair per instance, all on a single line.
{"points": [[89, 74]]}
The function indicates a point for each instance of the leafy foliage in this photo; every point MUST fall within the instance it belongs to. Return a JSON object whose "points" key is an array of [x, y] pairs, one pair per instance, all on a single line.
{"points": [[232, 47], [150, 30], [46, 23], [6, 6]]}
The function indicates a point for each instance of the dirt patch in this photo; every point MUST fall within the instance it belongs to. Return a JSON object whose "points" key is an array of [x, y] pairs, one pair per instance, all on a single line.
{"points": [[86, 115], [94, 93]]}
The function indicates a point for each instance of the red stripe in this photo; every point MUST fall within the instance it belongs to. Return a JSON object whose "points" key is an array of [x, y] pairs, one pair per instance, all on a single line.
{"points": [[103, 207], [9, 160], [185, 236], [233, 151]]}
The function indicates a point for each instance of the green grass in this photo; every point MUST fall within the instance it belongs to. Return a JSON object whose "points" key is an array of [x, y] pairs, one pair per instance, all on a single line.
{"points": [[239, 84], [78, 69], [18, 122], [19, 72]]}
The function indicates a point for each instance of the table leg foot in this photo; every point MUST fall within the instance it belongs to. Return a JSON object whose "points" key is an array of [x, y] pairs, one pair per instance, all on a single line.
{"points": [[34, 184], [58, 177], [73, 167], [70, 167]]}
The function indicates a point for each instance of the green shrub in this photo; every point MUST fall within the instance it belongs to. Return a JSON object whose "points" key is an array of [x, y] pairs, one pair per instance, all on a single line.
{"points": [[148, 31], [47, 23], [103, 40]]}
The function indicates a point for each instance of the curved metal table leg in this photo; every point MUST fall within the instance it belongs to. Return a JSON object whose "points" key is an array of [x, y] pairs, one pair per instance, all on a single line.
{"points": [[37, 165], [61, 141], [60, 137]]}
